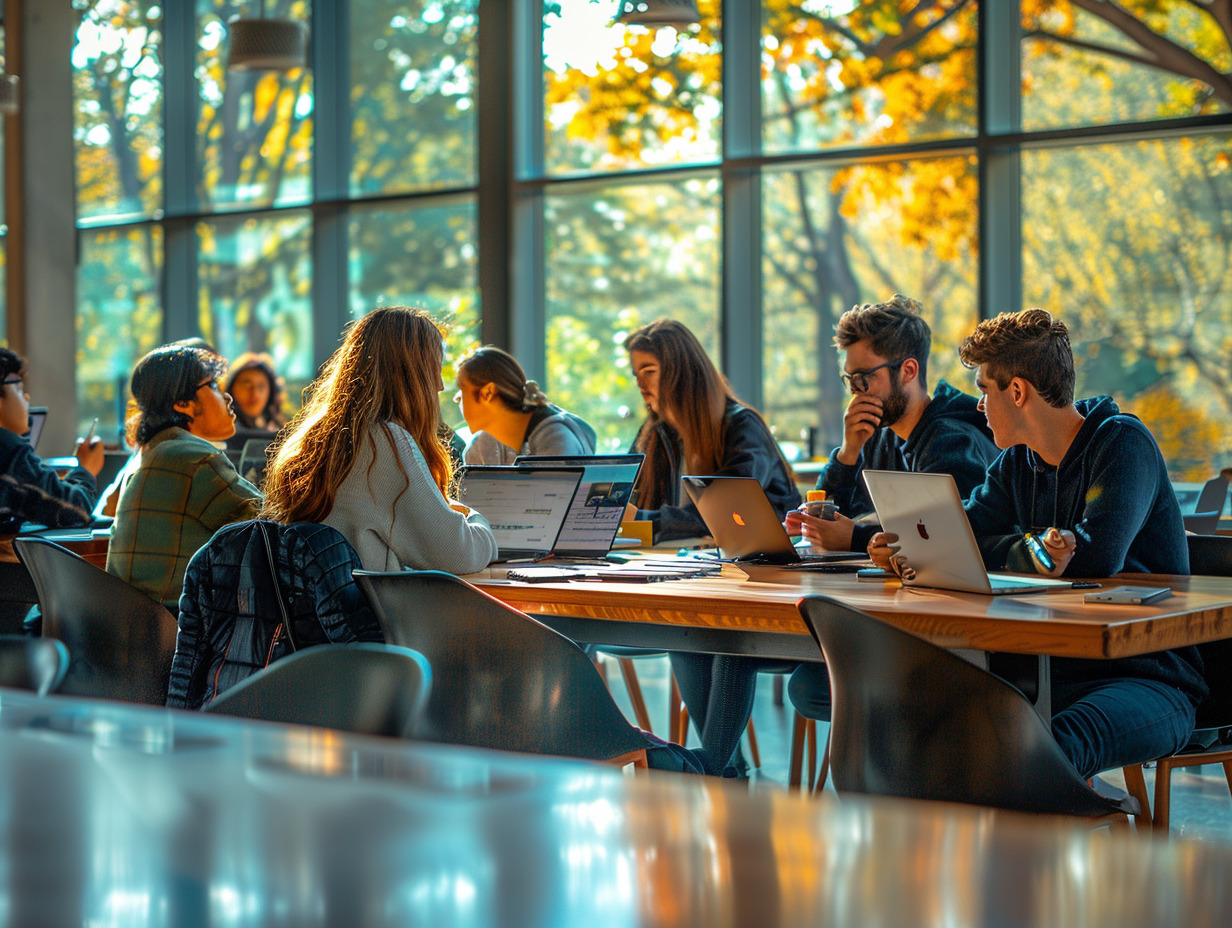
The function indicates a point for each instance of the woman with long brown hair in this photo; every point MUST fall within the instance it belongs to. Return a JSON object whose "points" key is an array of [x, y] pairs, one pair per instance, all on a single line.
{"points": [[365, 453], [696, 425]]}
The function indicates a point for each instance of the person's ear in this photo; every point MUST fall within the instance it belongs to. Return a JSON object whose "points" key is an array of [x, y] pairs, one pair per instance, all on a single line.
{"points": [[183, 406], [908, 371], [487, 392], [1020, 390]]}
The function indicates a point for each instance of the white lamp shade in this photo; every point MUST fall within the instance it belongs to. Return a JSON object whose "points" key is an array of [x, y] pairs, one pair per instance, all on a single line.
{"points": [[266, 44], [678, 13]]}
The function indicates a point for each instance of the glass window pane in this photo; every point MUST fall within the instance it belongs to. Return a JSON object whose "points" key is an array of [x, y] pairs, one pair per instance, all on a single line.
{"points": [[255, 290], [1122, 62], [878, 74], [834, 238], [623, 97], [422, 256], [412, 94], [119, 318], [620, 256], [254, 131], [118, 108], [1131, 245]]}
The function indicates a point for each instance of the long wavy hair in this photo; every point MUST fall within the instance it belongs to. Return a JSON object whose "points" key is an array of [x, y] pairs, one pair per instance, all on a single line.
{"points": [[692, 399], [386, 370]]}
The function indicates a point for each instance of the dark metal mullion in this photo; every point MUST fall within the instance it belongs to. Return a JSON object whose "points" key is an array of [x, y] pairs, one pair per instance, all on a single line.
{"points": [[331, 173], [742, 283], [180, 171], [494, 162]]}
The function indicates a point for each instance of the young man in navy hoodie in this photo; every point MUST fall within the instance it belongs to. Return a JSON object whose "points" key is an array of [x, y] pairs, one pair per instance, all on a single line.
{"points": [[891, 422], [1092, 483]]}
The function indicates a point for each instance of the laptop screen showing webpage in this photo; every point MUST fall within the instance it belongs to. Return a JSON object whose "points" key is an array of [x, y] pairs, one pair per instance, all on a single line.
{"points": [[525, 506], [598, 506]]}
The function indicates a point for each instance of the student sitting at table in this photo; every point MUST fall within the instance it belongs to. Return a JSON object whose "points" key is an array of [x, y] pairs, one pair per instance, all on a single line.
{"points": [[183, 488], [509, 415], [1092, 484], [366, 454], [35, 492], [695, 425], [891, 422]]}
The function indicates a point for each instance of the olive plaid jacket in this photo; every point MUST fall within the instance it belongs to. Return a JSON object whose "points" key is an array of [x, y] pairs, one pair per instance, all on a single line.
{"points": [[184, 491]]}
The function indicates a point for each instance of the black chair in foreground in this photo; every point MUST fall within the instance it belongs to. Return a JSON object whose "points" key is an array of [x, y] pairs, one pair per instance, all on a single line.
{"points": [[37, 664], [910, 719], [500, 679], [1211, 742], [120, 641], [371, 689]]}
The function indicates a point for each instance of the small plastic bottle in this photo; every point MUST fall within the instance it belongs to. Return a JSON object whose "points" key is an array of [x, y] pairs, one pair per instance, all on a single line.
{"points": [[817, 506]]}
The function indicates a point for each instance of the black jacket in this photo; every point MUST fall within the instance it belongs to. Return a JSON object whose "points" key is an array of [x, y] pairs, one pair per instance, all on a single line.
{"points": [[34, 493], [749, 450], [230, 623], [952, 437]]}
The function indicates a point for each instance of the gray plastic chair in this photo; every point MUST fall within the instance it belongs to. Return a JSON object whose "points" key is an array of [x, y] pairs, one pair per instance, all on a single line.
{"points": [[120, 642], [37, 664], [911, 719], [500, 679], [1205, 517], [371, 689]]}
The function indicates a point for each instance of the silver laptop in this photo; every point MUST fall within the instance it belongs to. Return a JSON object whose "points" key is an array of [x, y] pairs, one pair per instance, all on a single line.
{"points": [[745, 525], [926, 512], [525, 506], [598, 505]]}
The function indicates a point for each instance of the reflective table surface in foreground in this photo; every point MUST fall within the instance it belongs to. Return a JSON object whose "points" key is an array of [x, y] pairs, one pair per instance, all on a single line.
{"points": [[119, 815]]}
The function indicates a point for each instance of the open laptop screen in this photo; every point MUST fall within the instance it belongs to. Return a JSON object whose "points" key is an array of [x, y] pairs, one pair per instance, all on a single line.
{"points": [[525, 506], [38, 415], [598, 505]]}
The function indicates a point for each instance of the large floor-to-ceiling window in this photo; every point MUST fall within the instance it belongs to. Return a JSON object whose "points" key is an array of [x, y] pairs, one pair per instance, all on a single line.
{"points": [[753, 175]]}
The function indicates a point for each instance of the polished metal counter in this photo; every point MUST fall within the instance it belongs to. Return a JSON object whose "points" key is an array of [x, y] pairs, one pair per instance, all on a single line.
{"points": [[130, 816]]}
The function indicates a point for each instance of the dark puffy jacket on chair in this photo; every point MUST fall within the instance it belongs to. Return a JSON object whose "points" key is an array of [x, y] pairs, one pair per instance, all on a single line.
{"points": [[230, 622]]}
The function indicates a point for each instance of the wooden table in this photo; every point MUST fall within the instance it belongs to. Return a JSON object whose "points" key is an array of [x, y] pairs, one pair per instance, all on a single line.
{"points": [[119, 814]]}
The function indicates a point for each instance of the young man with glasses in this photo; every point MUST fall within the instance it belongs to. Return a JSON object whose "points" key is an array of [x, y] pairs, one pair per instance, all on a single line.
{"points": [[30, 491], [184, 488], [891, 422], [1092, 484]]}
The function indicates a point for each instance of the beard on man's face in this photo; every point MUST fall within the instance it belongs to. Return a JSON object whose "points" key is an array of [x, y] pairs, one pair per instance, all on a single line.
{"points": [[894, 405]]}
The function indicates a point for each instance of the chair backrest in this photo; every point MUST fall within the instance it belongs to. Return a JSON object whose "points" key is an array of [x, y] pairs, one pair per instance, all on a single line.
{"points": [[500, 679], [1211, 555], [120, 642], [911, 719], [372, 689], [37, 664], [1214, 495]]}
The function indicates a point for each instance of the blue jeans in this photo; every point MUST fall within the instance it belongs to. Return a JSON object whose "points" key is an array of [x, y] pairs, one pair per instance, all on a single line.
{"points": [[1099, 724]]}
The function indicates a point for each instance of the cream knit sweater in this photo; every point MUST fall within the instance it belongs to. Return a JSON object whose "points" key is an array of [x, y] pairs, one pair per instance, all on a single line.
{"points": [[419, 530]]}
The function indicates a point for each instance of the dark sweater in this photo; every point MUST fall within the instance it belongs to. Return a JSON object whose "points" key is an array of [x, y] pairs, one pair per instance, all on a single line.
{"points": [[749, 450], [1112, 491], [952, 437], [35, 493]]}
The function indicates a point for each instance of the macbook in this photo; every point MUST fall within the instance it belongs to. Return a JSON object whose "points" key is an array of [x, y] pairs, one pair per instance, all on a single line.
{"points": [[525, 506], [598, 506], [926, 512], [745, 525], [38, 415]]}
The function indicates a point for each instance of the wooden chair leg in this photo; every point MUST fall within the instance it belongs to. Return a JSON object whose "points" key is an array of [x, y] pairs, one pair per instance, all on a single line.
{"points": [[1163, 796], [751, 731], [795, 765], [1227, 773], [825, 766], [810, 744], [778, 689], [677, 714], [629, 672], [1135, 783]]}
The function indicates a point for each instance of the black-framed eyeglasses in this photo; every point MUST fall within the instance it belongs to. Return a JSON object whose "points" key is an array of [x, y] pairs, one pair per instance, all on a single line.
{"points": [[858, 380], [211, 383], [21, 386]]}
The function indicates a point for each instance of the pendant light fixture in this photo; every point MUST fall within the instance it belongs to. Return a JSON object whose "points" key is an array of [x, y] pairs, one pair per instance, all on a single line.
{"points": [[655, 13], [266, 44]]}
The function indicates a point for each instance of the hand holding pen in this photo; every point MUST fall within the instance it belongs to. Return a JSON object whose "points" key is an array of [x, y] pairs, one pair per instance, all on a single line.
{"points": [[89, 452]]}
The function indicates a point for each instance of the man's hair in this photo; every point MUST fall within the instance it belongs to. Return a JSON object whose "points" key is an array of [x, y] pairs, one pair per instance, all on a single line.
{"points": [[162, 378], [10, 363], [1030, 344], [894, 330]]}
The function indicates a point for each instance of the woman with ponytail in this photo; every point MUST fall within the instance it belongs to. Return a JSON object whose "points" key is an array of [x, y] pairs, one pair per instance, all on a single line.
{"points": [[509, 415]]}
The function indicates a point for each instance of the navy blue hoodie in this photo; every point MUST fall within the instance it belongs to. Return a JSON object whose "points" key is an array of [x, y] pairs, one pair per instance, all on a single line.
{"points": [[952, 437], [1112, 491], [35, 493]]}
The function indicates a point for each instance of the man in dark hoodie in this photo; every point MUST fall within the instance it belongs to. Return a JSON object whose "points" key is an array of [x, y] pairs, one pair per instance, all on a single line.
{"points": [[1092, 483], [891, 422]]}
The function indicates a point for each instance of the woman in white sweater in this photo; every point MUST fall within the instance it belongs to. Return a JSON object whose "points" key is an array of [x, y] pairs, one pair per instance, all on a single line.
{"points": [[365, 453]]}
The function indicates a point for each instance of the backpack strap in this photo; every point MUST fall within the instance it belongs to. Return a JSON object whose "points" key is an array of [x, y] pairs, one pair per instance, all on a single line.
{"points": [[273, 569]]}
